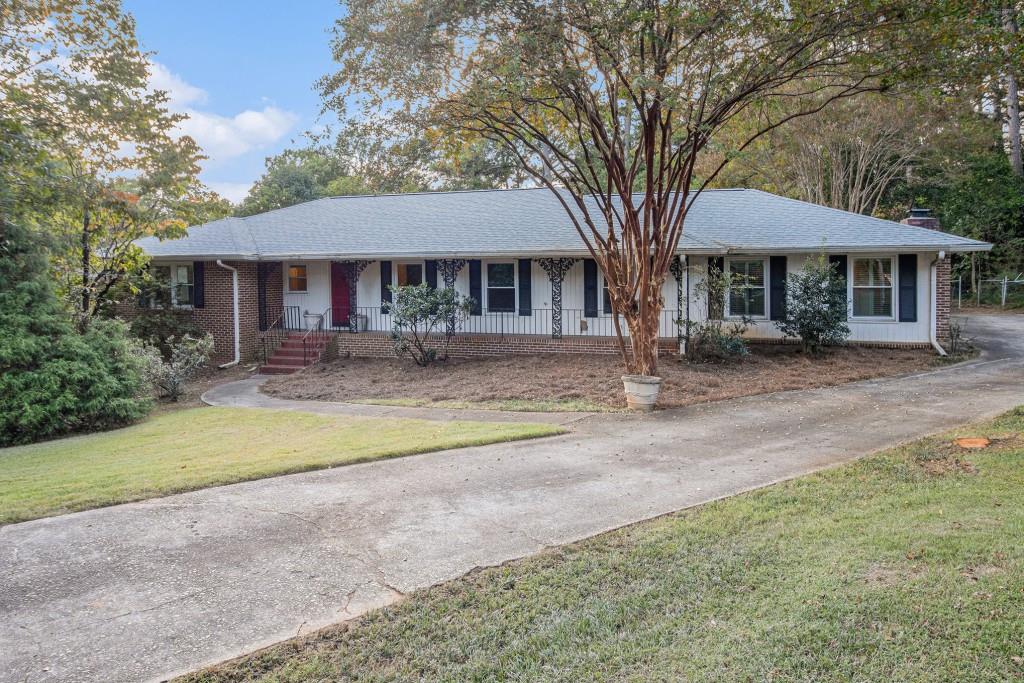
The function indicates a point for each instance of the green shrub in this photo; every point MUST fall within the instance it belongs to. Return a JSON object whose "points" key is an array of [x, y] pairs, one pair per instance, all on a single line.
{"points": [[714, 339], [420, 311], [158, 326], [816, 307], [54, 379], [186, 357]]}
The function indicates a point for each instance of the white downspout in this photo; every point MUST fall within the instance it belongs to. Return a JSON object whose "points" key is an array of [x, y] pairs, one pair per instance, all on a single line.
{"points": [[933, 327], [234, 306]]}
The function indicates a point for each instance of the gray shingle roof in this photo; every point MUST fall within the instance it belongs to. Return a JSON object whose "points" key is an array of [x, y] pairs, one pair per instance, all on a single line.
{"points": [[532, 222]]}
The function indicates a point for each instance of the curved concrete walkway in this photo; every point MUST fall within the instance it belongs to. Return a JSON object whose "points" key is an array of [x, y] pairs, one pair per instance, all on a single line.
{"points": [[142, 590], [245, 393]]}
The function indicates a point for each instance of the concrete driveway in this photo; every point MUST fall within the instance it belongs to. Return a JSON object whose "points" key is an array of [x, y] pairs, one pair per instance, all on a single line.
{"points": [[143, 590]]}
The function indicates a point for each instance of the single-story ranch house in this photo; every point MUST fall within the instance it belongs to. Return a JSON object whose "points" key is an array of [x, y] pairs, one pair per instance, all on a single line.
{"points": [[278, 285]]}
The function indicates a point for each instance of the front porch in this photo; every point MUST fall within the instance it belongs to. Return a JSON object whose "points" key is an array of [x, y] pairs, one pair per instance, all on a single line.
{"points": [[555, 305]]}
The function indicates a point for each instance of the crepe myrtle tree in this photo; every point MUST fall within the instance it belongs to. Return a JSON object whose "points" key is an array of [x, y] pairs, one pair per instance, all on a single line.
{"points": [[610, 105]]}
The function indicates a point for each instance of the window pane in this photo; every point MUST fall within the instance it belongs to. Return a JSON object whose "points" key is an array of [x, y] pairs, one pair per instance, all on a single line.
{"points": [[606, 300], [501, 299], [755, 302], [750, 273], [500, 275], [409, 274], [737, 302], [183, 294], [297, 278], [872, 301], [872, 272], [183, 275]]}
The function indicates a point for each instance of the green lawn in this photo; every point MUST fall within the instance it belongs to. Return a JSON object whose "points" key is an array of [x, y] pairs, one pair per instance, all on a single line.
{"points": [[201, 447], [906, 566]]}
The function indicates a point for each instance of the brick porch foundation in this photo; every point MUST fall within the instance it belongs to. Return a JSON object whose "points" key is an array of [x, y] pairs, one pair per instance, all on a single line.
{"points": [[380, 345]]}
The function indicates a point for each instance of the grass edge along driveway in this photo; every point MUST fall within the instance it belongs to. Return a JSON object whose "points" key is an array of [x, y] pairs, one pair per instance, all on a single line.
{"points": [[905, 565], [202, 447]]}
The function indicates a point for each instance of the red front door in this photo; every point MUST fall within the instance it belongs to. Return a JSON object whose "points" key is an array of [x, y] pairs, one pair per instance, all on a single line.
{"points": [[340, 301]]}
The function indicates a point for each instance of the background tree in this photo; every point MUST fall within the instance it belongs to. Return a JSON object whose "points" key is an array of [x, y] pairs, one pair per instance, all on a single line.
{"points": [[612, 105], [53, 380], [854, 151], [365, 160], [72, 72]]}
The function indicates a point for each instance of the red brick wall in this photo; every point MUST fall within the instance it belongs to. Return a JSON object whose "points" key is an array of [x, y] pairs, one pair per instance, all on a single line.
{"points": [[275, 291], [216, 317], [943, 293], [379, 345]]}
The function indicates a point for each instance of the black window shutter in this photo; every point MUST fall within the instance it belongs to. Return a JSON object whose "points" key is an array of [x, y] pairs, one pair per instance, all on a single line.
{"points": [[908, 288], [198, 284], [431, 274], [525, 289], [385, 285], [838, 261], [716, 309], [475, 288], [777, 279], [589, 288]]}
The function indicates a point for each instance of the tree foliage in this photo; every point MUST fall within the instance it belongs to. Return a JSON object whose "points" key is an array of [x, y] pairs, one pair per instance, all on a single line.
{"points": [[72, 72], [816, 308], [53, 379], [363, 161], [612, 105]]}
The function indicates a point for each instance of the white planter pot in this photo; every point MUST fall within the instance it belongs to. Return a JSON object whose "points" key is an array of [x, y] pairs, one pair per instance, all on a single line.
{"points": [[641, 391]]}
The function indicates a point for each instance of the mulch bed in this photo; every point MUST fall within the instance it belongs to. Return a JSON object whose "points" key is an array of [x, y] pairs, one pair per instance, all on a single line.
{"points": [[592, 379]]}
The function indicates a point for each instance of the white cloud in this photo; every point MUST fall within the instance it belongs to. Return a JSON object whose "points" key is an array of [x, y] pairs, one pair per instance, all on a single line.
{"points": [[233, 192], [226, 137], [179, 93], [221, 137]]}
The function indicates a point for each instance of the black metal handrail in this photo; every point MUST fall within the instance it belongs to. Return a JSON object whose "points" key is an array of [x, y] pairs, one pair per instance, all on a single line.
{"points": [[539, 322], [312, 340], [278, 330]]}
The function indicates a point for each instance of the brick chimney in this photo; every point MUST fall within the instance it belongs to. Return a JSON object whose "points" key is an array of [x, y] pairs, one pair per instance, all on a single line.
{"points": [[922, 218]]}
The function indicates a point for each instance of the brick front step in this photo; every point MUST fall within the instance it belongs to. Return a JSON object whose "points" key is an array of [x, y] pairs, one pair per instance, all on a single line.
{"points": [[291, 355]]}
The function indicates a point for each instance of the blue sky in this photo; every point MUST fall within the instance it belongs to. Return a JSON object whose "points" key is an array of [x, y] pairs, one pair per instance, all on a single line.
{"points": [[243, 71]]}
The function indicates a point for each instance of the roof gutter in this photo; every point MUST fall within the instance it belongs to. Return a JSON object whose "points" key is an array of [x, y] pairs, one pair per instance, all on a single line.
{"points": [[234, 309]]}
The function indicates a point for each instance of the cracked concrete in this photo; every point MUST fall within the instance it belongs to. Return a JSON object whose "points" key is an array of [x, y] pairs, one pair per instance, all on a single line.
{"points": [[144, 590]]}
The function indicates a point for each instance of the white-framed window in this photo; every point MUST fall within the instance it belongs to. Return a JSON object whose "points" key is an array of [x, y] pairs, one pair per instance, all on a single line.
{"points": [[501, 287], [298, 278], [872, 287], [747, 290], [408, 274], [175, 283]]}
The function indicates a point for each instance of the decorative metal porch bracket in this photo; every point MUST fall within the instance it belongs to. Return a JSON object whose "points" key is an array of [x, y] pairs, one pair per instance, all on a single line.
{"points": [[449, 269], [678, 268], [352, 272], [556, 268]]}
